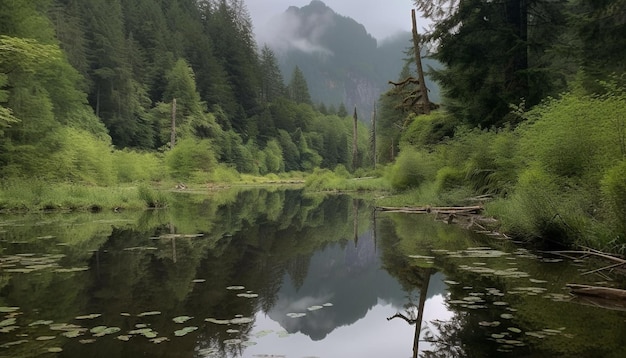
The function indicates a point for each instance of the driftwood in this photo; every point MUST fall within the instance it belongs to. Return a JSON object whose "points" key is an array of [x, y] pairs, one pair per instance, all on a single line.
{"points": [[445, 210], [598, 291]]}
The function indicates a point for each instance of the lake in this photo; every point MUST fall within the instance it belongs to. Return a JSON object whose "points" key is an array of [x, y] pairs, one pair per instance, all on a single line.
{"points": [[277, 273]]}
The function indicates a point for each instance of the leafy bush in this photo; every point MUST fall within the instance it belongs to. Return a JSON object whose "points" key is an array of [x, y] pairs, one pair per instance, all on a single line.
{"points": [[134, 166], [613, 188], [411, 169], [190, 155]]}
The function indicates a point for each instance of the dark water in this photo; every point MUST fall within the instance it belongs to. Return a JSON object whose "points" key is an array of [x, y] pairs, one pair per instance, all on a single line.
{"points": [[264, 273]]}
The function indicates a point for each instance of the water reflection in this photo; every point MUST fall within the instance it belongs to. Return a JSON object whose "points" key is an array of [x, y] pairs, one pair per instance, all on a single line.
{"points": [[274, 272]]}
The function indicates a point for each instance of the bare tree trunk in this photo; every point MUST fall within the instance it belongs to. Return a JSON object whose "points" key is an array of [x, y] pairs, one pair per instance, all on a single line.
{"points": [[355, 148], [173, 137], [420, 71], [374, 137]]}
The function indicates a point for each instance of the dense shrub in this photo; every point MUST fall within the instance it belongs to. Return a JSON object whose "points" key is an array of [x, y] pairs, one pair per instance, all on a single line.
{"points": [[190, 155], [411, 169]]}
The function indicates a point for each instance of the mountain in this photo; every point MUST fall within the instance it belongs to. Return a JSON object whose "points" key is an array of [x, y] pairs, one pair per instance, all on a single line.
{"points": [[341, 61]]}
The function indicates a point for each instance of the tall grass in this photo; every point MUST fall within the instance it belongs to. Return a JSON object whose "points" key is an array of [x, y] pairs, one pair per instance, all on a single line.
{"points": [[35, 195]]}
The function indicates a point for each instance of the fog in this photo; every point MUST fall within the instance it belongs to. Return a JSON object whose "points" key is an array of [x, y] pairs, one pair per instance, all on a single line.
{"points": [[381, 19]]}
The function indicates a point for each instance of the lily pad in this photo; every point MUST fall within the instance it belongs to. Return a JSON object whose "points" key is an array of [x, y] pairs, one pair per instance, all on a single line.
{"points": [[296, 315], [235, 288], [514, 330], [241, 320], [107, 330], [328, 304], [199, 280], [8, 309], [263, 333], [40, 323], [8, 322], [450, 282], [55, 349], [181, 319], [231, 331], [89, 316], [151, 313], [87, 341], [123, 338], [247, 295], [45, 338], [74, 333], [159, 340], [184, 331], [217, 321], [315, 308]]}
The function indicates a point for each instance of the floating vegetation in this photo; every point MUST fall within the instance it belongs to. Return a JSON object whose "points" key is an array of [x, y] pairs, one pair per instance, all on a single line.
{"points": [[45, 338], [199, 280], [283, 334], [232, 331], [123, 338], [150, 313], [65, 327], [14, 343], [74, 333], [8, 329], [8, 309], [478, 252], [500, 303], [55, 349], [181, 319], [506, 316], [8, 322], [450, 282], [296, 315], [531, 291], [314, 308], [236, 288], [87, 341], [327, 304], [184, 331], [514, 330], [218, 321], [248, 343], [247, 295], [105, 331], [89, 316], [146, 332], [242, 320], [159, 340], [125, 314], [537, 281]]}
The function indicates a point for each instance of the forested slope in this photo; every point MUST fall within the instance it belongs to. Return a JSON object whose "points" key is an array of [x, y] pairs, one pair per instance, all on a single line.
{"points": [[85, 81]]}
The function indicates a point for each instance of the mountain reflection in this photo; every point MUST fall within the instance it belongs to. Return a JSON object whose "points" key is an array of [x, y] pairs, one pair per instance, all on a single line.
{"points": [[348, 276]]}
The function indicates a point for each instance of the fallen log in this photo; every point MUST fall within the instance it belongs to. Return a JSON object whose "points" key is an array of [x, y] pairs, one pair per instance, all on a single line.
{"points": [[446, 210], [597, 291]]}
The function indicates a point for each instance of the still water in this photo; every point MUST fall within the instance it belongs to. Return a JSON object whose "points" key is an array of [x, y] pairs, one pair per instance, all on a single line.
{"points": [[275, 273]]}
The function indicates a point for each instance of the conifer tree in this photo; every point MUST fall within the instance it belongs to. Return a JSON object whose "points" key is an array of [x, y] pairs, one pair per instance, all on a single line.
{"points": [[298, 88]]}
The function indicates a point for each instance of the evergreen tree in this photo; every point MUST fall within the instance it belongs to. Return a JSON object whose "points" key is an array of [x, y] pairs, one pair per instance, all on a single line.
{"points": [[272, 84], [492, 52], [298, 88]]}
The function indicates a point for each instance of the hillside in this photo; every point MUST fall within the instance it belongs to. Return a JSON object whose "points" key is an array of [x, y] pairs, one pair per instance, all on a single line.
{"points": [[341, 61]]}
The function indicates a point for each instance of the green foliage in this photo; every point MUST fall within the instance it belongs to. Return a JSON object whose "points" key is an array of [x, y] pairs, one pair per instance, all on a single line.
{"points": [[613, 187], [428, 130], [133, 166], [153, 198], [411, 169], [190, 155]]}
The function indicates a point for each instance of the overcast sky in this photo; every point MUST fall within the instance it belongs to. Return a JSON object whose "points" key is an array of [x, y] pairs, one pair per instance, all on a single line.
{"points": [[381, 18]]}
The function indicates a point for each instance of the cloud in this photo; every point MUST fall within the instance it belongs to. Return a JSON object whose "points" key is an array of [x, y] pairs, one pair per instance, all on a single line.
{"points": [[291, 30]]}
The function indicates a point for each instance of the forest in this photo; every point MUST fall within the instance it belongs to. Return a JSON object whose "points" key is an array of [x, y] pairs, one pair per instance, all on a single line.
{"points": [[104, 93], [88, 92]]}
